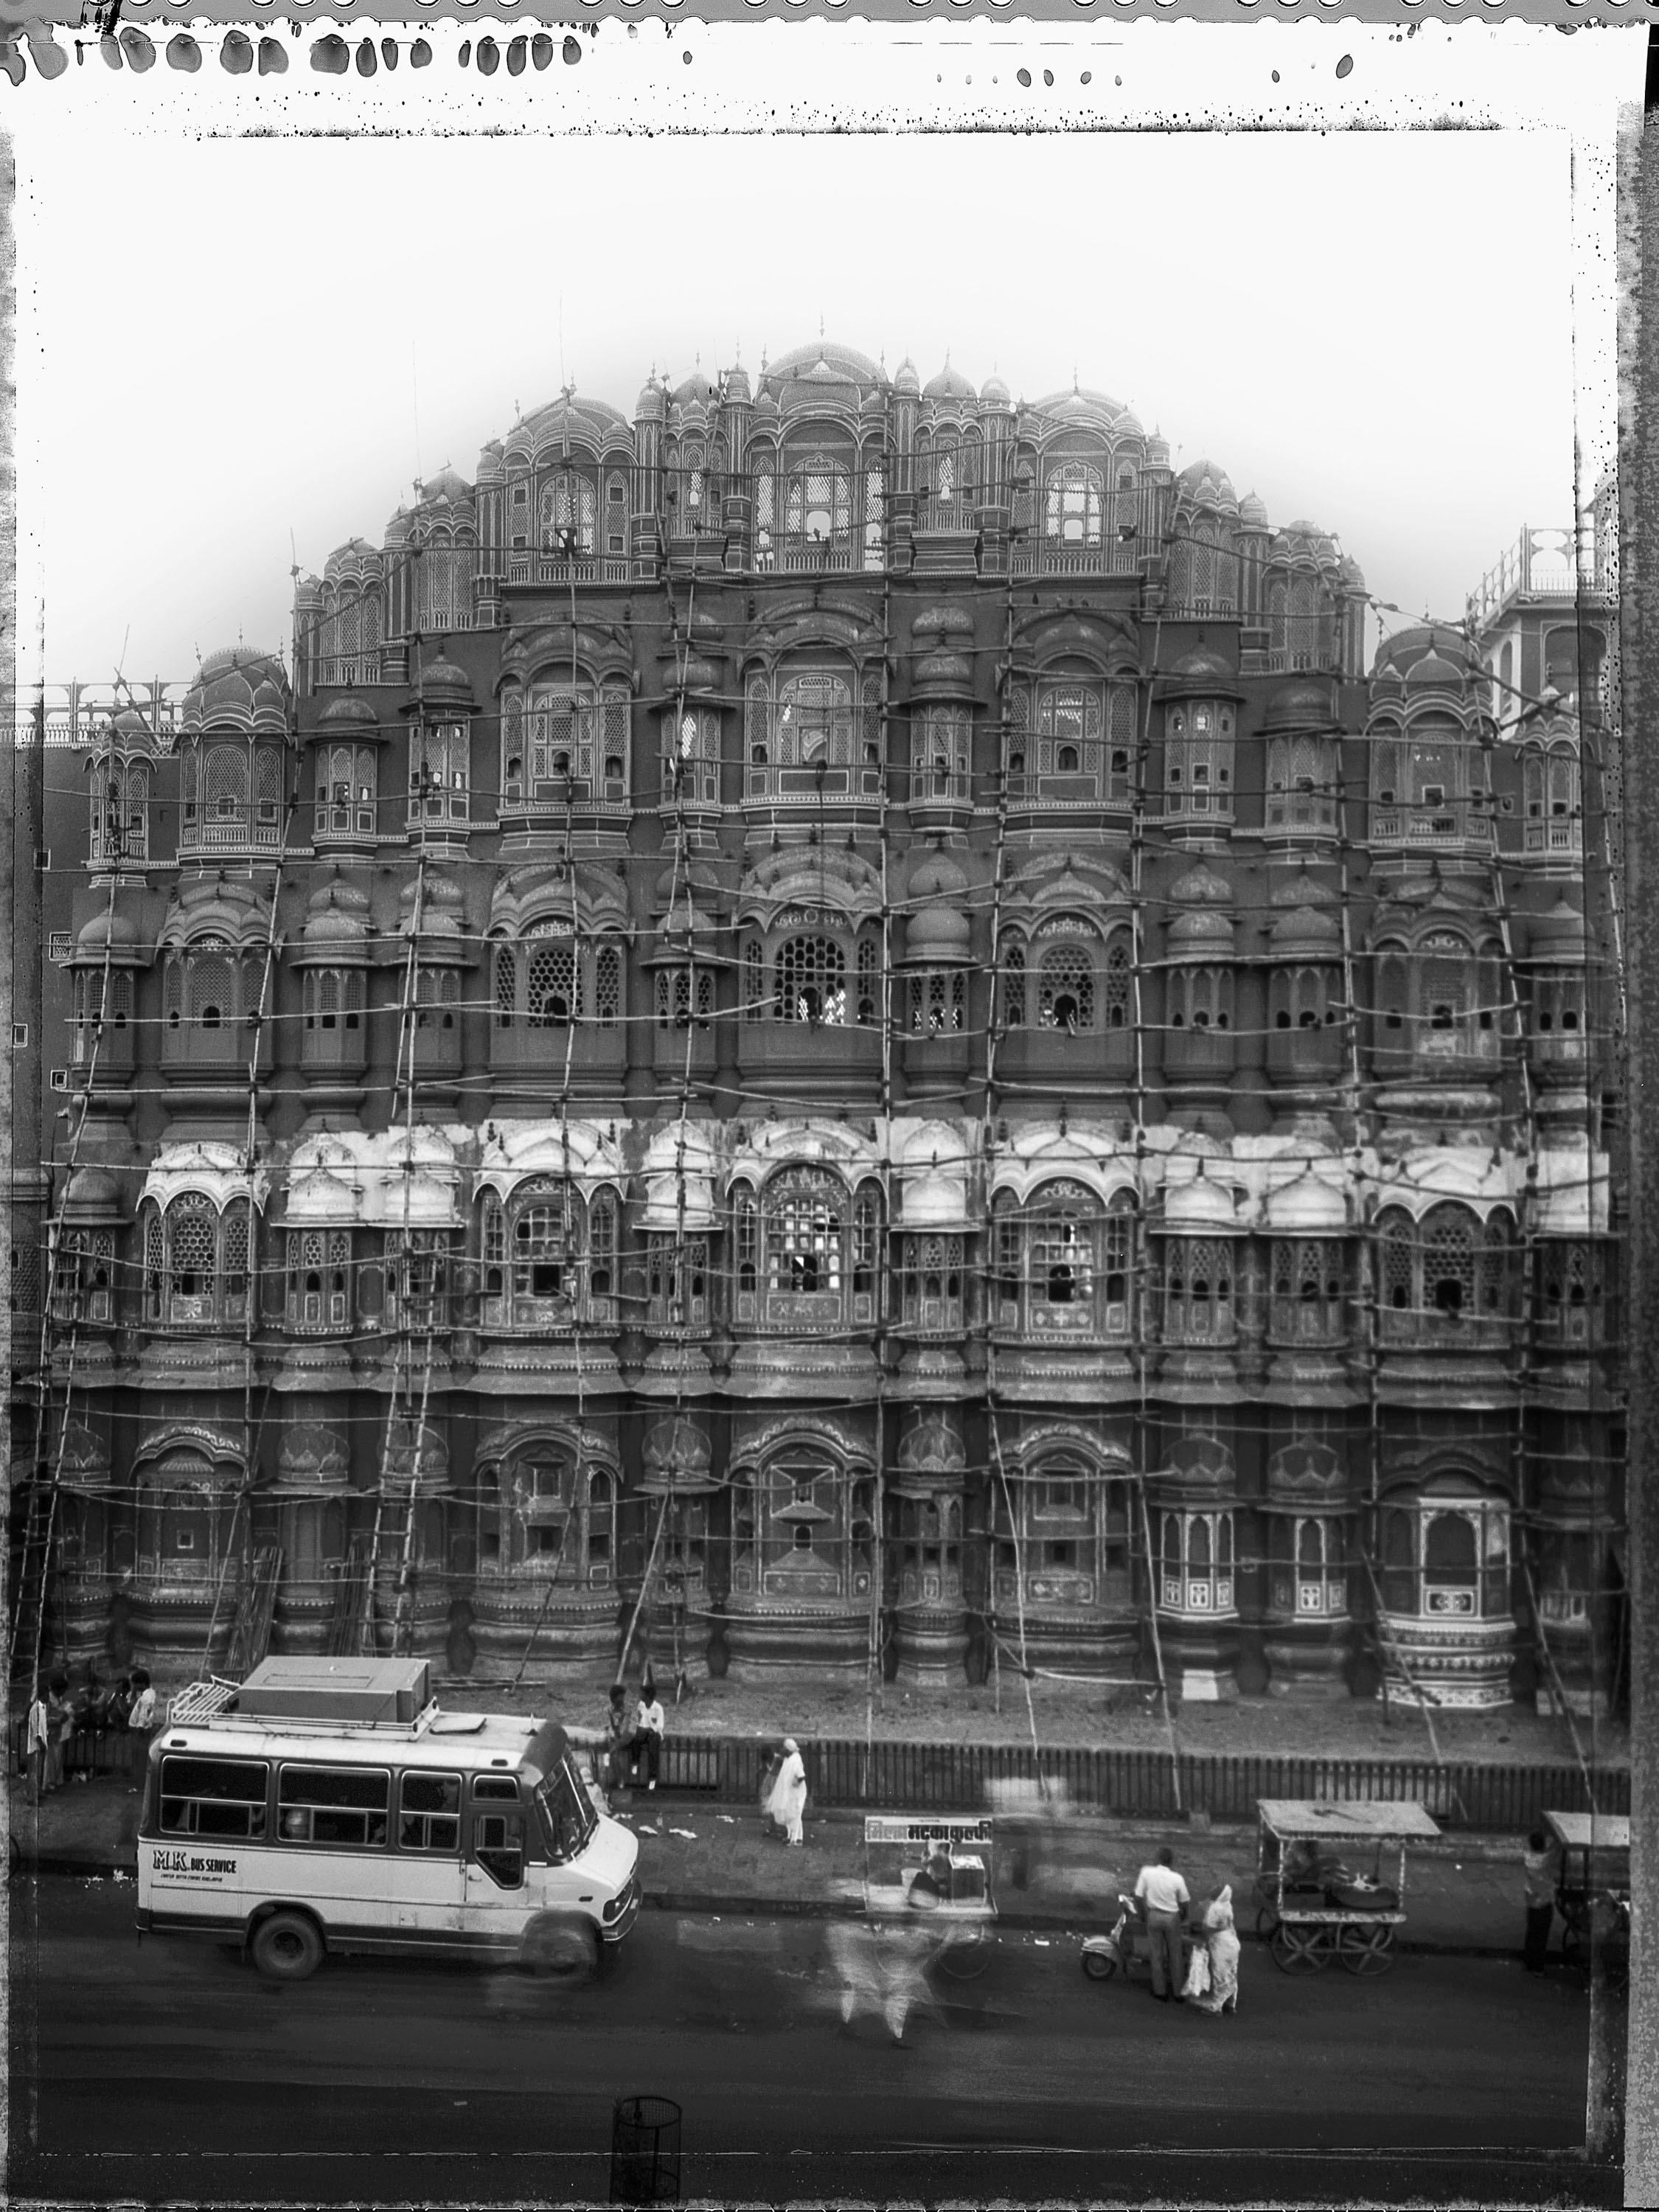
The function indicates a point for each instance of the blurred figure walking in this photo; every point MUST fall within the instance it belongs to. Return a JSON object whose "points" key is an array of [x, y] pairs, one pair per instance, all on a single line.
{"points": [[1222, 1937], [786, 1801]]}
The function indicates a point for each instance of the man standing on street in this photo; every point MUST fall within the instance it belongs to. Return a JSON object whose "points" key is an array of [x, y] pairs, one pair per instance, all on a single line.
{"points": [[140, 1723], [648, 1725], [1166, 1896]]}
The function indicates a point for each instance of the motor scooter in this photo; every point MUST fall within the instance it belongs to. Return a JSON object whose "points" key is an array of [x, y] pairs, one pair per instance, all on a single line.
{"points": [[1127, 1947]]}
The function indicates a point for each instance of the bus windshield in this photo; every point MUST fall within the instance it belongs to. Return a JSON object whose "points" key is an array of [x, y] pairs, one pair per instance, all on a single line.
{"points": [[567, 1813]]}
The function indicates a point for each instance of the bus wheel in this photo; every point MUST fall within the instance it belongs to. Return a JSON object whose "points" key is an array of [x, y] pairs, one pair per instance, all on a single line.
{"points": [[287, 1947], [559, 1948]]}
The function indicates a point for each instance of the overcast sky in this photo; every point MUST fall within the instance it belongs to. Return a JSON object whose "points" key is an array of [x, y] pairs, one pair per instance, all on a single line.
{"points": [[327, 318]]}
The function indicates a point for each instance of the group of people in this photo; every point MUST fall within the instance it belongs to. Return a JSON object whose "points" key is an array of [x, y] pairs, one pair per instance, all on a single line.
{"points": [[633, 1744], [58, 1712], [1209, 1978]]}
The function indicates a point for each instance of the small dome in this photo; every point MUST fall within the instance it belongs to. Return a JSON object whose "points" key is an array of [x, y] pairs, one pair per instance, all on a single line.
{"points": [[1158, 451], [345, 714], [1308, 1206], [1431, 672], [1200, 886], [1305, 929], [1208, 484], [93, 1197], [937, 931], [766, 403], [945, 668], [1304, 706], [675, 1448], [104, 929], [696, 389], [932, 1447], [1301, 887], [942, 622], [1351, 573], [130, 733], [949, 384], [735, 382], [995, 393], [335, 914], [441, 684], [1252, 513], [1200, 674], [874, 405], [906, 380], [651, 405], [448, 483], [936, 876], [1559, 935], [1200, 1203], [1204, 931]]}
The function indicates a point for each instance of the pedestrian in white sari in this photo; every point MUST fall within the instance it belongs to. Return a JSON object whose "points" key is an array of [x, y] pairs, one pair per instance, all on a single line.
{"points": [[1222, 1939], [786, 1801]]}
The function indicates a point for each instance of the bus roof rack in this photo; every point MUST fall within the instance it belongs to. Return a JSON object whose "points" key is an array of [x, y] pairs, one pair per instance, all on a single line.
{"points": [[350, 1693], [201, 1701]]}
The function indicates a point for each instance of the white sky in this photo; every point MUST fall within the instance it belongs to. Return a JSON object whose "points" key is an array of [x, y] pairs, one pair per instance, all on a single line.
{"points": [[1372, 329]]}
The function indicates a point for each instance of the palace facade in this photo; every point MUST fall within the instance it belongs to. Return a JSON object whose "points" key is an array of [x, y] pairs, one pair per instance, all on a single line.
{"points": [[852, 1014]]}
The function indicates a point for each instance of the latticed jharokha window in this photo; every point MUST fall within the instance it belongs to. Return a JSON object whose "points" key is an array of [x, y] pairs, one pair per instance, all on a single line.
{"points": [[1198, 746], [566, 743], [938, 1001], [691, 756], [417, 1279], [318, 1278], [347, 782], [1307, 1565], [1061, 1264], [819, 502], [1441, 997], [808, 735], [440, 771], [1201, 998], [677, 1281], [544, 1251], [684, 995], [84, 1280], [1302, 783], [1197, 1289], [563, 980], [1446, 1554], [565, 512], [1072, 740], [1305, 997], [1074, 507], [822, 1257], [811, 983], [120, 810], [1309, 1290], [933, 1283], [1445, 1275], [1065, 990], [1195, 1562], [1576, 1283], [196, 1262], [90, 1014]]}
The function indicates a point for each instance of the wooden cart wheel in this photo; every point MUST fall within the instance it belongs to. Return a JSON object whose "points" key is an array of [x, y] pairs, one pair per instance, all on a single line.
{"points": [[1266, 1920], [1366, 1948], [1298, 1949], [966, 1955]]}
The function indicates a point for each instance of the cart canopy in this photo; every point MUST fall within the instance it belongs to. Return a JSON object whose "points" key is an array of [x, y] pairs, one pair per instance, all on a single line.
{"points": [[1594, 1831], [1351, 1820]]}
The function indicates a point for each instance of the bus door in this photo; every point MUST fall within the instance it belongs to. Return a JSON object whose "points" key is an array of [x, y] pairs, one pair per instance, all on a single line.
{"points": [[430, 1882], [496, 1894]]}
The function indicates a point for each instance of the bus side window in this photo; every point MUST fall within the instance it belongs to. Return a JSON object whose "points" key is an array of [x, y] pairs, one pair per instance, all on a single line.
{"points": [[495, 1788], [430, 1812], [333, 1805], [498, 1846], [214, 1797]]}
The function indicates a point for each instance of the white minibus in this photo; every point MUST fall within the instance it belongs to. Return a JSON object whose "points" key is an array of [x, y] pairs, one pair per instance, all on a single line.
{"points": [[329, 1805]]}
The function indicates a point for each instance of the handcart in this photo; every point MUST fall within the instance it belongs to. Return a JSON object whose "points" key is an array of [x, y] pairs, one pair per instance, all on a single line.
{"points": [[1317, 1901], [934, 1872], [1594, 1849]]}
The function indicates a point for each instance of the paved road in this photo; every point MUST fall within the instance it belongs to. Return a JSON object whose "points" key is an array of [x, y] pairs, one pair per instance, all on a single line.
{"points": [[168, 2069]]}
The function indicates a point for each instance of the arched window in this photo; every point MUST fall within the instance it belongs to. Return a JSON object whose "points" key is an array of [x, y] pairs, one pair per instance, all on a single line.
{"points": [[565, 510], [197, 1262], [1065, 990], [575, 741], [875, 516], [805, 1223], [225, 769], [319, 1284], [818, 516], [811, 983], [684, 995], [939, 1002], [347, 778], [1073, 508], [440, 771], [1198, 753], [1302, 783], [932, 1283], [551, 994], [1011, 967], [822, 1257], [549, 1259], [1446, 1551], [1195, 1562], [1061, 1263], [691, 756], [754, 983], [940, 756], [1309, 1290], [676, 1282], [1198, 1290], [1307, 1557], [1449, 1278], [1202, 998]]}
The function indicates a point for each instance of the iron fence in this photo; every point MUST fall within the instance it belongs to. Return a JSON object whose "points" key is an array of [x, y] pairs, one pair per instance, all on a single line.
{"points": [[843, 1772]]}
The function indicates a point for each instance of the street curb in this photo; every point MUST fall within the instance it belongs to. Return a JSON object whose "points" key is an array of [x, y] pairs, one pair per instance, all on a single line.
{"points": [[781, 1908]]}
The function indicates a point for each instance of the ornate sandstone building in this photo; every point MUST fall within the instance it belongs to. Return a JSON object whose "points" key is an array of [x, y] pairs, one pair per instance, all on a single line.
{"points": [[850, 1013]]}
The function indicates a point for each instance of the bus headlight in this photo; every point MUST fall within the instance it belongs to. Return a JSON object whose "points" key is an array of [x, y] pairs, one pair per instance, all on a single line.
{"points": [[618, 1903]]}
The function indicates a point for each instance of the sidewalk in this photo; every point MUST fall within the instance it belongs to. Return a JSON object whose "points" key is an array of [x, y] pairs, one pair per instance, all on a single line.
{"points": [[1463, 1895]]}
